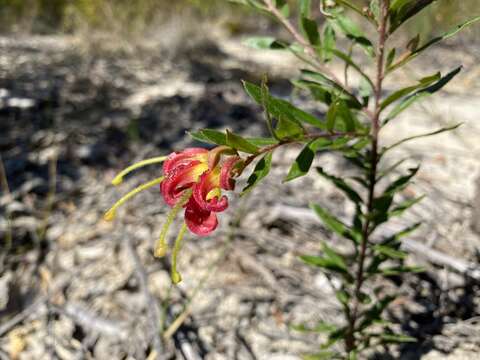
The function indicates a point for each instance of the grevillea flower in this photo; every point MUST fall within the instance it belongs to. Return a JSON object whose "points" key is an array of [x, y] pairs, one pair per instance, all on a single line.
{"points": [[206, 174], [193, 179]]}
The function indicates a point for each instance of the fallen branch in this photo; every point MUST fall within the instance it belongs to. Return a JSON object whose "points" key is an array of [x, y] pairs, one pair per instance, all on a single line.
{"points": [[91, 321]]}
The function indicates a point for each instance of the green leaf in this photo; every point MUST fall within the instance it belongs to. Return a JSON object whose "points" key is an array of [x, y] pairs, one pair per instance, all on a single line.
{"points": [[405, 205], [262, 168], [288, 129], [260, 141], [420, 94], [390, 57], [346, 117], [264, 43], [398, 270], [402, 10], [283, 6], [342, 296], [357, 9], [397, 338], [342, 185], [340, 118], [390, 252], [375, 9], [374, 313], [423, 83], [388, 170], [334, 224], [353, 32], [335, 257], [310, 30], [305, 8], [311, 78], [219, 138], [329, 42], [323, 355], [404, 59], [210, 136], [250, 3], [280, 108], [348, 60], [304, 160], [241, 144], [325, 263], [381, 205], [395, 239], [401, 182], [321, 327], [439, 131], [332, 116]]}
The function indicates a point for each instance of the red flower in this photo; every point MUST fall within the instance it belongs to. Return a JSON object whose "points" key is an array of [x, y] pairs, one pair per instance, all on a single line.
{"points": [[206, 174]]}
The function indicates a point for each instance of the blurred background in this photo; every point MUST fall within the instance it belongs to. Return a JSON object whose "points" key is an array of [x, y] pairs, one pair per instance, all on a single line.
{"points": [[90, 86]]}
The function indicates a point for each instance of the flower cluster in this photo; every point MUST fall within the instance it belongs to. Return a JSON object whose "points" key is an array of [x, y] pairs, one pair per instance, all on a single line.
{"points": [[206, 174]]}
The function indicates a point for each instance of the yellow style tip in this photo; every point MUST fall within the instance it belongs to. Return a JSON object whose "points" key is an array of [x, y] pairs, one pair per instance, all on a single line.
{"points": [[176, 277], [109, 215], [117, 180], [160, 251]]}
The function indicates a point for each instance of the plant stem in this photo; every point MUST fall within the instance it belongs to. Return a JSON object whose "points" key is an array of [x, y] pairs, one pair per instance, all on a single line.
{"points": [[309, 49], [350, 341]]}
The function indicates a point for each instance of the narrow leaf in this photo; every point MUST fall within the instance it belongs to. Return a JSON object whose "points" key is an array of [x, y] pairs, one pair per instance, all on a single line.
{"points": [[423, 83], [342, 185], [210, 136], [439, 131], [404, 104], [334, 224], [264, 43], [404, 59]]}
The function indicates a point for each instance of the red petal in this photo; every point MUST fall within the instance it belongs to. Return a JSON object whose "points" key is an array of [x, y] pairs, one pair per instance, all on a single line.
{"points": [[208, 182], [178, 180], [183, 158], [200, 222], [226, 181]]}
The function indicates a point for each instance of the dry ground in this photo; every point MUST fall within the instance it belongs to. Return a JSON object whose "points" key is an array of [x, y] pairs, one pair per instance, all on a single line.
{"points": [[75, 287]]}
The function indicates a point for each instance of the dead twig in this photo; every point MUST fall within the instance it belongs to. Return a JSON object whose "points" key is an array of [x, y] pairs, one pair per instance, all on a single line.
{"points": [[93, 322]]}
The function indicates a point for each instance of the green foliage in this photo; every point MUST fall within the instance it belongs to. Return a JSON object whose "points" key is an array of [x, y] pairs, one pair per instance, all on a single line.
{"points": [[351, 129]]}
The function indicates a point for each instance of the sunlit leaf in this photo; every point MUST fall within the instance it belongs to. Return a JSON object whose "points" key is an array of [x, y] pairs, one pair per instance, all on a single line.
{"points": [[353, 32], [281, 108], [241, 144], [264, 43]]}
